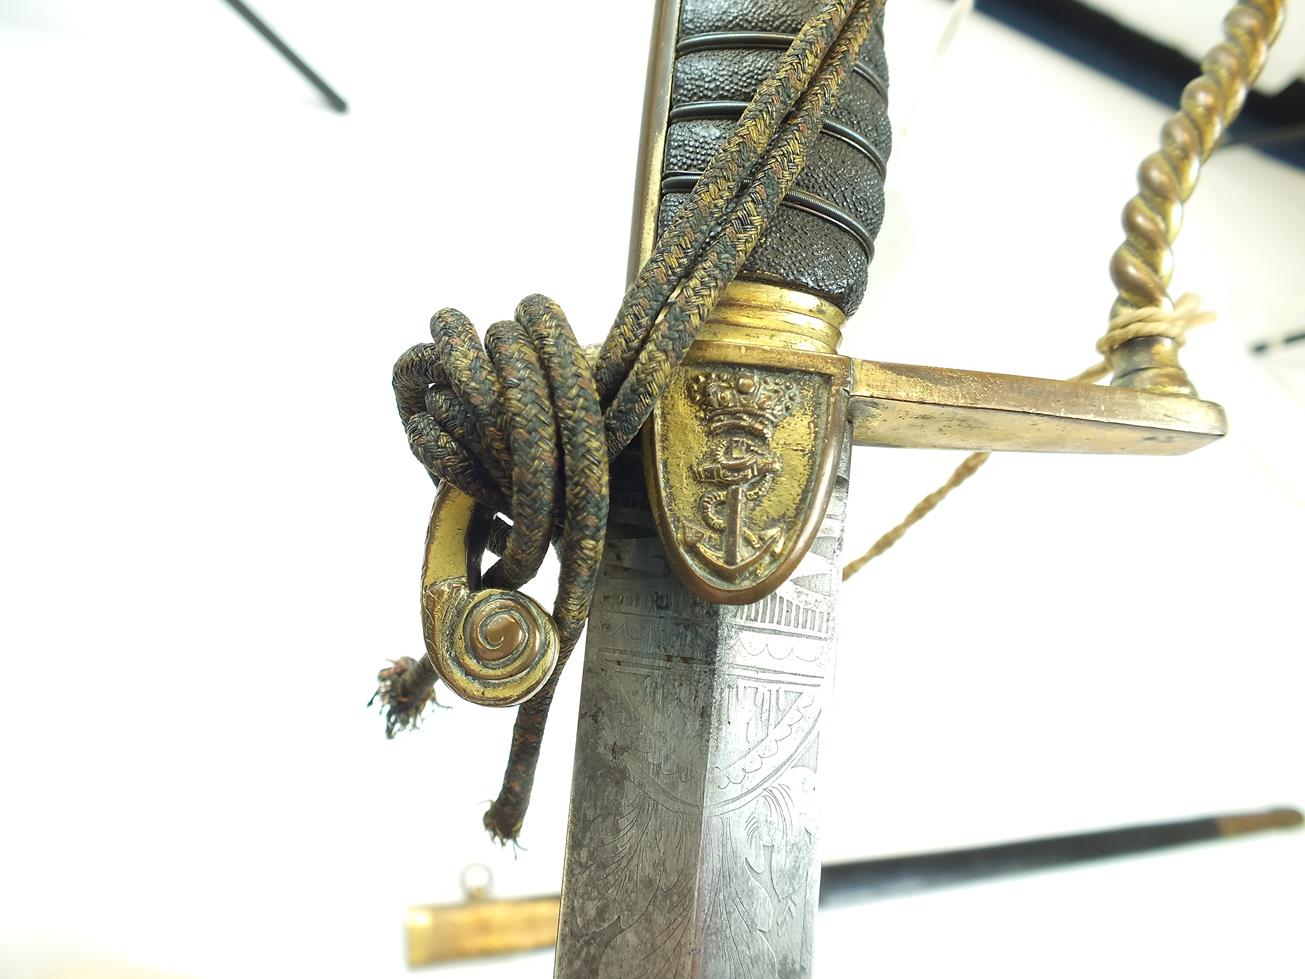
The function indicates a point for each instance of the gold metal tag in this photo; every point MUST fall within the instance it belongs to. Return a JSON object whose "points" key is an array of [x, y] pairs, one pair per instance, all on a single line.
{"points": [[451, 932], [481, 926]]}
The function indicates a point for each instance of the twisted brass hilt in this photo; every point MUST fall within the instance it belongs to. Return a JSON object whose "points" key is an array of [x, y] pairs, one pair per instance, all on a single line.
{"points": [[1142, 266], [490, 645]]}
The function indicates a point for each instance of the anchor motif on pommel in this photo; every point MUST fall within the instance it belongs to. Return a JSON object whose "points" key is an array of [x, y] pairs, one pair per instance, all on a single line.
{"points": [[740, 410]]}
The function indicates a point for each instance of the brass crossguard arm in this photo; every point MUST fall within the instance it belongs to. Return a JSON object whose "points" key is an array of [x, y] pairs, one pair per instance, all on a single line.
{"points": [[937, 407]]}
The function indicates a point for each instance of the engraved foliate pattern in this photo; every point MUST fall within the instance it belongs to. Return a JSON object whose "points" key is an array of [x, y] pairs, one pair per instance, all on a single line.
{"points": [[699, 736]]}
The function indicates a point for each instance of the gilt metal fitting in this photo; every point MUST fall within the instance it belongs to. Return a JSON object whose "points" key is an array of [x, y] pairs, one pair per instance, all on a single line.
{"points": [[1142, 266], [742, 447], [491, 646]]}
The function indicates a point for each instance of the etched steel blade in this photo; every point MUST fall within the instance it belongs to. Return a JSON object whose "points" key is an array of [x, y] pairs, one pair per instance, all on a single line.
{"points": [[691, 842], [691, 846]]}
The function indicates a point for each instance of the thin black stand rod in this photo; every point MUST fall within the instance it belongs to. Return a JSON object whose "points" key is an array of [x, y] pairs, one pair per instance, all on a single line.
{"points": [[851, 883], [254, 21], [469, 930]]}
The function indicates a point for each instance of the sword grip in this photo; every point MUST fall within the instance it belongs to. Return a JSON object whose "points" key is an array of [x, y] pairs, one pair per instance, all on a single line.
{"points": [[822, 239]]}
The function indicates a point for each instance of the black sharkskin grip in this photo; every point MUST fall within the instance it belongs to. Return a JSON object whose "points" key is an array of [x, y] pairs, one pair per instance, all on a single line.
{"points": [[822, 239]]}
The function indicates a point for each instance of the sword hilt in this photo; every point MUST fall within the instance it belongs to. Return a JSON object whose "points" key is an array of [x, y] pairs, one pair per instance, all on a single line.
{"points": [[742, 448]]}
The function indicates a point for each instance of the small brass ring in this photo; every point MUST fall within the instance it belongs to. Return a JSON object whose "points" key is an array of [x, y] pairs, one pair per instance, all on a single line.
{"points": [[477, 882]]}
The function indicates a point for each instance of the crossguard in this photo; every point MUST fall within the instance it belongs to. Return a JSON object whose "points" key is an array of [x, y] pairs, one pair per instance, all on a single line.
{"points": [[941, 408], [742, 449], [489, 645]]}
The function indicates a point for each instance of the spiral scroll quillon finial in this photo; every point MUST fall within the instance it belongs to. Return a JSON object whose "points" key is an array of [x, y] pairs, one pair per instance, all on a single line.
{"points": [[492, 647], [1142, 266]]}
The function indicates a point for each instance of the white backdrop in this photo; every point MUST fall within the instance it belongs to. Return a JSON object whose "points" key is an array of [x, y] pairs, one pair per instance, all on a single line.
{"points": [[212, 528]]}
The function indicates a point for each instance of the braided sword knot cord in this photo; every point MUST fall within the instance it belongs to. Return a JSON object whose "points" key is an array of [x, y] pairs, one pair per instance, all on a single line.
{"points": [[527, 426]]}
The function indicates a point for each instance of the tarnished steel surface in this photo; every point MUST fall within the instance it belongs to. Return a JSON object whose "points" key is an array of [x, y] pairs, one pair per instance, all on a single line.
{"points": [[692, 837]]}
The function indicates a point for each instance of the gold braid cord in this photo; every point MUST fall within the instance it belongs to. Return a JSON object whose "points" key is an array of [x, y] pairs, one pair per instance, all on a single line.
{"points": [[526, 424], [1141, 343]]}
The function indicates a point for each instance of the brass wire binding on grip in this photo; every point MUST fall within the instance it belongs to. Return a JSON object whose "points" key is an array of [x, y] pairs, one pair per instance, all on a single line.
{"points": [[1142, 266]]}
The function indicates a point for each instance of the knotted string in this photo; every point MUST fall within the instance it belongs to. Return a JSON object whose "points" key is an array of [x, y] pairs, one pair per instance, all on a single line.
{"points": [[1154, 321]]}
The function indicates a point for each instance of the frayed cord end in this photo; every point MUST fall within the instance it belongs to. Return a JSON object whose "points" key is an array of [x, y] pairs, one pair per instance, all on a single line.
{"points": [[404, 689]]}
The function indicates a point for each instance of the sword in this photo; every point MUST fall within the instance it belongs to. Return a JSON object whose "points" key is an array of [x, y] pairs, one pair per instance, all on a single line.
{"points": [[693, 822]]}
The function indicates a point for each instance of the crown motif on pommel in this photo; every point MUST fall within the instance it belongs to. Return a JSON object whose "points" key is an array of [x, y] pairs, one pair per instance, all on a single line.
{"points": [[742, 402]]}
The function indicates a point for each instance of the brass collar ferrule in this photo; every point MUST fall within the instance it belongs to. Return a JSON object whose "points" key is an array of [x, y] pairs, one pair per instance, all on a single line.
{"points": [[764, 314]]}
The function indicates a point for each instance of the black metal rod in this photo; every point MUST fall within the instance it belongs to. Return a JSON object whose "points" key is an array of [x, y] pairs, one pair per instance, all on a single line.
{"points": [[843, 884], [256, 22], [1264, 346]]}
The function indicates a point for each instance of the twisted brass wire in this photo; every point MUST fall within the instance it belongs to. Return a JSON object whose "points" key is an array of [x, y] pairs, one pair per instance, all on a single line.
{"points": [[1142, 266]]}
